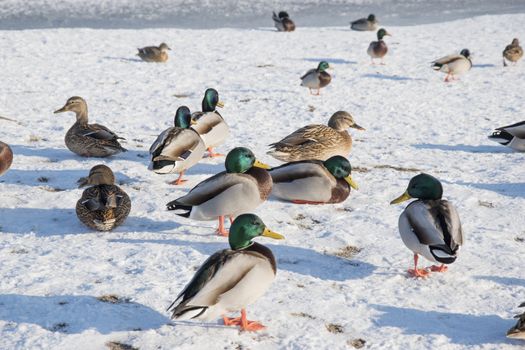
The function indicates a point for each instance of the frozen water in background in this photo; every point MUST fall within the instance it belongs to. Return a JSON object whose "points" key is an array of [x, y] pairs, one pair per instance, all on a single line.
{"points": [[18, 14]]}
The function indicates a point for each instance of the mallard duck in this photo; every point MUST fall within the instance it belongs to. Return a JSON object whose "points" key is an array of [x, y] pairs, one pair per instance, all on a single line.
{"points": [[512, 52], [512, 136], [104, 205], [282, 22], [518, 331], [378, 49], [313, 181], [317, 78], [89, 140], [154, 53], [430, 225], [364, 24], [453, 64], [209, 123], [242, 187], [317, 141], [177, 148], [6, 157], [231, 279]]}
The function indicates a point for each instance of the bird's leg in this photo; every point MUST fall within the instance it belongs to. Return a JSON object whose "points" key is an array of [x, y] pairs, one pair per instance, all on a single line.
{"points": [[442, 268], [372, 63], [310, 89], [221, 230], [213, 155], [504, 63], [235, 321], [250, 326], [447, 78], [318, 92], [231, 219], [179, 180], [382, 62], [417, 272]]}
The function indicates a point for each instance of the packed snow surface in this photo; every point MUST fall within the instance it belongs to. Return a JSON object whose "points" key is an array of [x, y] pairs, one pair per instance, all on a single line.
{"points": [[52, 268]]}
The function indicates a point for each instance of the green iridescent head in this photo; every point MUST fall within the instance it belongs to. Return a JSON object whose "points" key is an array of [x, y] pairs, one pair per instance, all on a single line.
{"points": [[246, 227], [371, 17], [183, 117], [422, 186], [240, 160], [381, 33], [211, 100], [340, 168], [323, 65]]}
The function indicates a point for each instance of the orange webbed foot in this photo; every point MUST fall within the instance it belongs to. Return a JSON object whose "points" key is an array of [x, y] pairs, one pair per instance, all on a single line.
{"points": [[222, 232], [418, 273], [252, 326], [233, 321], [177, 182], [442, 268], [212, 154]]}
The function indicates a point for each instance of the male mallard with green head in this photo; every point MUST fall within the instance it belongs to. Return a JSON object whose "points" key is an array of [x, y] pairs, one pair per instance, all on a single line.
{"points": [[365, 24], [317, 141], [430, 225], [453, 64], [512, 52], [378, 49], [231, 279], [209, 123], [104, 205], [88, 140], [241, 188], [317, 78], [282, 22], [313, 181], [154, 53], [6, 157], [177, 148]]}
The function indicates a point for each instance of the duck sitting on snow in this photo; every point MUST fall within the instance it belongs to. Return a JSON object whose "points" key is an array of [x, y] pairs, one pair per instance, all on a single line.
{"points": [[241, 188], [104, 205], [518, 331], [154, 53], [177, 148], [317, 141], [378, 49], [512, 52], [365, 24], [282, 22], [89, 140], [453, 64], [430, 225], [317, 78], [231, 279], [313, 181], [6, 157], [512, 136]]}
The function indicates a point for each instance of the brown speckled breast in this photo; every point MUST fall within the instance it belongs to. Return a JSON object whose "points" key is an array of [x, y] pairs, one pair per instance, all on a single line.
{"points": [[324, 79], [380, 49], [6, 157], [340, 192], [264, 181]]}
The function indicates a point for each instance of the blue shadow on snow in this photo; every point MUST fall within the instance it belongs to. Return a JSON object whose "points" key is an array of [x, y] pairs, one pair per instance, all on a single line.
{"points": [[465, 148]]}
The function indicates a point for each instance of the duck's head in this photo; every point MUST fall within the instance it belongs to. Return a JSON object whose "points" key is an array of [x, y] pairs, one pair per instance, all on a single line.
{"points": [[283, 14], [340, 168], [381, 33], [98, 175], [422, 186], [211, 100], [342, 120], [246, 227], [323, 65], [240, 160], [371, 17], [515, 42], [183, 117], [465, 53], [164, 47], [74, 104]]}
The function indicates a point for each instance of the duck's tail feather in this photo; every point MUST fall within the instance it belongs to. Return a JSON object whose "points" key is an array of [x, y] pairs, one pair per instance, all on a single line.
{"points": [[443, 254], [187, 312], [180, 209]]}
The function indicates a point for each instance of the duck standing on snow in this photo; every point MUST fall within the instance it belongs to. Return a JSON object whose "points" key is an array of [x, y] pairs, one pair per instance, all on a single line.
{"points": [[453, 64], [209, 123], [512, 52], [154, 53], [365, 24], [317, 141], [283, 23], [177, 148], [241, 188], [6, 157], [89, 140], [317, 78], [429, 226], [104, 205], [512, 136], [378, 49], [313, 181], [231, 279], [518, 331]]}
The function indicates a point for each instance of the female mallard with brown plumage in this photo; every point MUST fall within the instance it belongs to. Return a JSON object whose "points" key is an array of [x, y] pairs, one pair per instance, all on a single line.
{"points": [[453, 64], [154, 53], [177, 148], [6, 157], [378, 49], [313, 181], [317, 141], [282, 22], [88, 140], [241, 188], [365, 24], [512, 52], [104, 205], [317, 78]]}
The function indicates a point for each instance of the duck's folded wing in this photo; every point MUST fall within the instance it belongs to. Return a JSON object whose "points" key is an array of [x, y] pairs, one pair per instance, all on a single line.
{"points": [[206, 121], [178, 145], [159, 142], [297, 170], [452, 230], [150, 51], [447, 59], [517, 129], [311, 71], [302, 136], [100, 132], [424, 224]]}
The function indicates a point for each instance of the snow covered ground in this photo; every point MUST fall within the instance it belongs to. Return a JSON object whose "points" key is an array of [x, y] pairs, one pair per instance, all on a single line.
{"points": [[52, 268]]}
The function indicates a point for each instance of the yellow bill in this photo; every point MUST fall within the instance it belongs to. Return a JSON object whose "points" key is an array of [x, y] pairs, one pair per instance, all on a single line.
{"points": [[351, 182], [261, 165], [220, 104], [269, 233], [404, 197], [193, 122]]}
